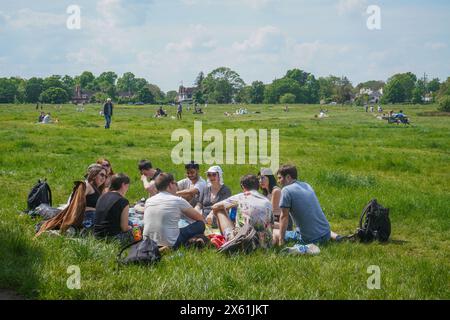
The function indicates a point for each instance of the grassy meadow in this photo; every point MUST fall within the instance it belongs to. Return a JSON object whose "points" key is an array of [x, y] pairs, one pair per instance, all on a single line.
{"points": [[348, 158]]}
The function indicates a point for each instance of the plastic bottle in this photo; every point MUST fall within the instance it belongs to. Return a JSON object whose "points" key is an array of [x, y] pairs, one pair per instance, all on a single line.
{"points": [[137, 234], [232, 214]]}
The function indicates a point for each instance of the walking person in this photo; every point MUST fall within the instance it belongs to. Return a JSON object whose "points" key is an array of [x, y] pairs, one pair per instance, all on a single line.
{"points": [[108, 112], [179, 110]]}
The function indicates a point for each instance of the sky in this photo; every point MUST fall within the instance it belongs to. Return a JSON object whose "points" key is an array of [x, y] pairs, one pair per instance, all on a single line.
{"points": [[168, 42]]}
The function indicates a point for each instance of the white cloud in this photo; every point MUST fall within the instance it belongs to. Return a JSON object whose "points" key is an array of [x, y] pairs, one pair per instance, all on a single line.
{"points": [[27, 18], [350, 6], [267, 39], [435, 45], [87, 56], [197, 38]]}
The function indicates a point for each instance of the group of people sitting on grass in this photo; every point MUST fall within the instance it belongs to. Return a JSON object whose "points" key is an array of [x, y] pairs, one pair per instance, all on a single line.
{"points": [[46, 118], [175, 212]]}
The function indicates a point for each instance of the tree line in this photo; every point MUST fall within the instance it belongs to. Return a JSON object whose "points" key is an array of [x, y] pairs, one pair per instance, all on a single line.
{"points": [[223, 86]]}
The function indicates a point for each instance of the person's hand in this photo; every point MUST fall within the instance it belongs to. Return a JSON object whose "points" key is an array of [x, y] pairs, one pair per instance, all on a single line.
{"points": [[143, 177], [209, 218]]}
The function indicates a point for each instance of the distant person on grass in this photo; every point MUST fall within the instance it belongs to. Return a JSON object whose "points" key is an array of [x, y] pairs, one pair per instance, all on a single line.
{"points": [[41, 116], [164, 211], [179, 110], [108, 112], [111, 217], [192, 187], [47, 118], [252, 208], [147, 172], [300, 200]]}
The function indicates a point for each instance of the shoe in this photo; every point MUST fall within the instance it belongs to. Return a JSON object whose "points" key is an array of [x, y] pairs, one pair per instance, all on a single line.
{"points": [[311, 249]]}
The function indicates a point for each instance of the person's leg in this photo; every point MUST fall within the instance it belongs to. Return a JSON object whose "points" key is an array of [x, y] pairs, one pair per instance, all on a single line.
{"points": [[225, 224], [188, 232]]}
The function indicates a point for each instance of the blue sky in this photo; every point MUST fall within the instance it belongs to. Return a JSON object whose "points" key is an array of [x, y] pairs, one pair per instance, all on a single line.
{"points": [[169, 41]]}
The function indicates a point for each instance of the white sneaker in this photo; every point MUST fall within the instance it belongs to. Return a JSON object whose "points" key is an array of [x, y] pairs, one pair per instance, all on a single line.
{"points": [[311, 249]]}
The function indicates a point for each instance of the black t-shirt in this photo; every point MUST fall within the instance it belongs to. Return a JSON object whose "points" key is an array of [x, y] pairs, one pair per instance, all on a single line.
{"points": [[107, 215]]}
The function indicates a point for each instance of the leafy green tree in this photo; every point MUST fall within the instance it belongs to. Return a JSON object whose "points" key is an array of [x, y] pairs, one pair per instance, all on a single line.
{"points": [[444, 89], [99, 97], [257, 92], [86, 80], [158, 95], [417, 95], [8, 90], [288, 98], [394, 92], [222, 84], [434, 85], [33, 90], [244, 95], [344, 90], [127, 83], [171, 96], [444, 104], [408, 82], [54, 95], [282, 86], [145, 95]]}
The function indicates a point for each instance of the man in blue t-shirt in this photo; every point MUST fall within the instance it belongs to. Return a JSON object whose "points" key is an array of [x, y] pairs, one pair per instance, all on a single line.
{"points": [[300, 200]]}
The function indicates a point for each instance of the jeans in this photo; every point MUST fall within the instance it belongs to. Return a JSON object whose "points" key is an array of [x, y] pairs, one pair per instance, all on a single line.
{"points": [[188, 232], [107, 121], [89, 219], [296, 236]]}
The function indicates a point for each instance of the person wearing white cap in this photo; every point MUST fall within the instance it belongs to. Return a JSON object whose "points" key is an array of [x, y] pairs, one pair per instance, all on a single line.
{"points": [[108, 112], [215, 191]]}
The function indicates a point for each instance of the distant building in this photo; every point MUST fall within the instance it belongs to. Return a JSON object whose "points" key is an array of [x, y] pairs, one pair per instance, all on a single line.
{"points": [[81, 96], [374, 95], [185, 95]]}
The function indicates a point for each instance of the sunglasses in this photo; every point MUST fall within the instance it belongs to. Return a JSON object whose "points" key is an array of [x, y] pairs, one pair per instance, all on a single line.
{"points": [[213, 174], [107, 165]]}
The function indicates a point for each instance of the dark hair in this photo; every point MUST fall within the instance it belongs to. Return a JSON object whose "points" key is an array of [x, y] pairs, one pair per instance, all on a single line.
{"points": [[163, 181], [272, 183], [250, 182], [118, 180], [100, 162], [192, 165], [288, 170], [144, 165]]}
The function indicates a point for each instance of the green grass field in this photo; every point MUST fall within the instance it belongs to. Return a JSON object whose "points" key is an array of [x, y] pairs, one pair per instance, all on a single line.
{"points": [[348, 158]]}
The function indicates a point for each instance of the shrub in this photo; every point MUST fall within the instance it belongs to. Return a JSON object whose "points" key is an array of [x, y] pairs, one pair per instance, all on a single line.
{"points": [[287, 98], [444, 104]]}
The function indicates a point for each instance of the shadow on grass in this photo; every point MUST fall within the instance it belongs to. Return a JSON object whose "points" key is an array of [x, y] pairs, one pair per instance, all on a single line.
{"points": [[20, 261]]}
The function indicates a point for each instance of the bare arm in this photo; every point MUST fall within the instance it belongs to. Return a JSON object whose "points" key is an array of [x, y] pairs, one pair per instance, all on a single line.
{"points": [[149, 186], [193, 214], [188, 194], [284, 221], [124, 219], [276, 196]]}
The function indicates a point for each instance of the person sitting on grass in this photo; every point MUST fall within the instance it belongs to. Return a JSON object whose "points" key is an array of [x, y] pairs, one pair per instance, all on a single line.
{"points": [[106, 164], [215, 192], [300, 200], [270, 189], [252, 208], [41, 116], [111, 217], [47, 118], [95, 183], [147, 172], [163, 213], [192, 187]]}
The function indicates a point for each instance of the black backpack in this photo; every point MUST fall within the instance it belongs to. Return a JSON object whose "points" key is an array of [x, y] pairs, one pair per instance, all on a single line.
{"points": [[374, 223], [141, 252], [40, 193]]}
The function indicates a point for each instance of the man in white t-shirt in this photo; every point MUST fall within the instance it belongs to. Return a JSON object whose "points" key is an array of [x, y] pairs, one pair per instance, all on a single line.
{"points": [[192, 187], [252, 208], [164, 211]]}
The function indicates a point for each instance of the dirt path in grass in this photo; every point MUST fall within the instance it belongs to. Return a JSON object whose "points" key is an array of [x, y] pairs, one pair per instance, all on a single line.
{"points": [[9, 295]]}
